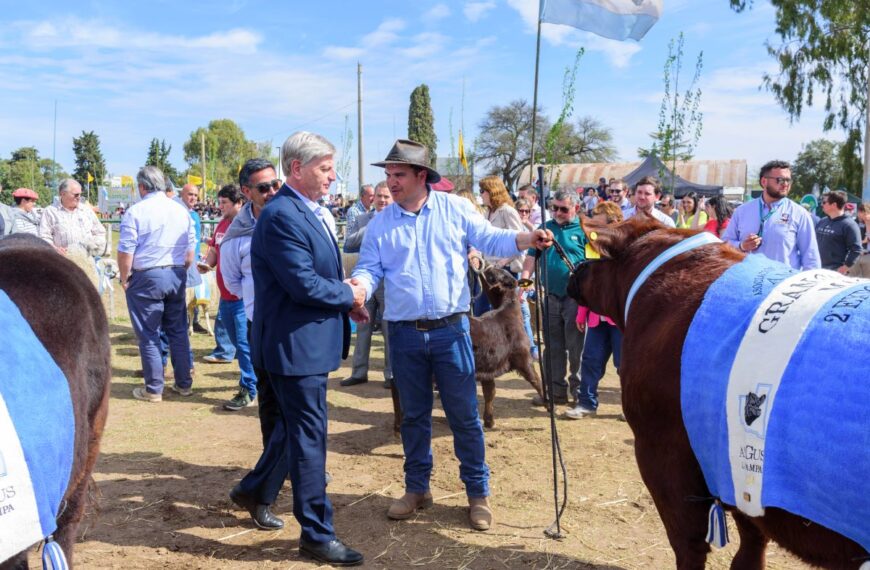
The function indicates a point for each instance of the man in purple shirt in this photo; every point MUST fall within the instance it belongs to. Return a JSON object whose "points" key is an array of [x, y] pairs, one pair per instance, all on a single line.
{"points": [[773, 225]]}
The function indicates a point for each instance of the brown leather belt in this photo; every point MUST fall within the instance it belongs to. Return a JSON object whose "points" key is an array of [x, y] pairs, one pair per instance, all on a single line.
{"points": [[432, 324]]}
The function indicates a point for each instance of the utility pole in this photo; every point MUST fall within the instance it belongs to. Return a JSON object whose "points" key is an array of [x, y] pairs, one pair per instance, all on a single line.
{"points": [[202, 151], [53, 148], [865, 193], [359, 123]]}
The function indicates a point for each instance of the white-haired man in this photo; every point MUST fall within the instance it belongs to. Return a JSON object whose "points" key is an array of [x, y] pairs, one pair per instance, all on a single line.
{"points": [[71, 223]]}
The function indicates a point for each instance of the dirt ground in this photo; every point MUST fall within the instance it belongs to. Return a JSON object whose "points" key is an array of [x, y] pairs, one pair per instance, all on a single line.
{"points": [[166, 469]]}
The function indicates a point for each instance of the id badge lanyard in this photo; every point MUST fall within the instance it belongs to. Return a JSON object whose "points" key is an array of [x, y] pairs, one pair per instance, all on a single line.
{"points": [[764, 218]]}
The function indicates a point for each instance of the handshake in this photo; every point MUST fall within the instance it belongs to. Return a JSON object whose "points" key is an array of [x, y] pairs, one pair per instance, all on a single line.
{"points": [[358, 310]]}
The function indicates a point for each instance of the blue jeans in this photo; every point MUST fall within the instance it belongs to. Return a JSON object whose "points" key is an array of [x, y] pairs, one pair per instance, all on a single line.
{"points": [[446, 353], [155, 299], [601, 342], [224, 347], [232, 314]]}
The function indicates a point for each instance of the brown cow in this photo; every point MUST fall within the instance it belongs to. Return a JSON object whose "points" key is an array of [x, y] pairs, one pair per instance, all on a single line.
{"points": [[65, 312], [499, 341], [650, 379]]}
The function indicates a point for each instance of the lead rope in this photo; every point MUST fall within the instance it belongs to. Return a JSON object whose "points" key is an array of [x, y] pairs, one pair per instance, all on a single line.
{"points": [[554, 531]]}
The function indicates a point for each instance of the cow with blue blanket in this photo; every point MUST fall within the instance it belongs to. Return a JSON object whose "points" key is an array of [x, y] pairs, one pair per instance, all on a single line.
{"points": [[736, 401], [54, 396]]}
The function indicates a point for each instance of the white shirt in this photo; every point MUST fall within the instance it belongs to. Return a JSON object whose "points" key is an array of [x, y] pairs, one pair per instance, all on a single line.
{"points": [[323, 214], [73, 228], [157, 231], [655, 213]]}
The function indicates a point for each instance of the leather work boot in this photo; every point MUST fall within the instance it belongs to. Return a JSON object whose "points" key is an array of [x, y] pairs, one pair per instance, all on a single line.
{"points": [[479, 513], [404, 507]]}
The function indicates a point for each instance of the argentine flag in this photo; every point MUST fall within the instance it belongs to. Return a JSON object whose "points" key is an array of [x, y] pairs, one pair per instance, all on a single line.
{"points": [[614, 19]]}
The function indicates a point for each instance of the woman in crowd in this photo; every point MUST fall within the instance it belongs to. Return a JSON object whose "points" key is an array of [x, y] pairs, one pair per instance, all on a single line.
{"points": [[26, 217], [718, 215], [692, 214], [603, 338], [524, 209]]}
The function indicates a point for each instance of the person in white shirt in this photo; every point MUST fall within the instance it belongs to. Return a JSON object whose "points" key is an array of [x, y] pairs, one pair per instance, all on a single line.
{"points": [[529, 194], [72, 224], [647, 190], [155, 248]]}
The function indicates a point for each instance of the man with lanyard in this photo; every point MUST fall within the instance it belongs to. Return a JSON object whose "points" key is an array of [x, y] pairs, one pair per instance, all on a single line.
{"points": [[838, 235], [647, 190], [617, 193], [773, 225], [419, 245], [564, 345]]}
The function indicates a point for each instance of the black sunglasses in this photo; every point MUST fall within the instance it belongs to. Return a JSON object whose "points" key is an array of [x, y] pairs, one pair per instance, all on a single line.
{"points": [[524, 211], [563, 209], [264, 187]]}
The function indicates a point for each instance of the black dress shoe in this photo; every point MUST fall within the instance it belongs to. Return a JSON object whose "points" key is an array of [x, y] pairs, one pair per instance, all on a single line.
{"points": [[332, 552], [260, 513], [353, 381]]}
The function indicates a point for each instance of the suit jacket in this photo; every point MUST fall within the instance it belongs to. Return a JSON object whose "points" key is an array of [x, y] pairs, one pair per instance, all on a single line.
{"points": [[300, 325]]}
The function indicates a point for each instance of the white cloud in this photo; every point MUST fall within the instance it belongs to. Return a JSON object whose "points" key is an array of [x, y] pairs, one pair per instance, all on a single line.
{"points": [[437, 12], [474, 11], [385, 34]]}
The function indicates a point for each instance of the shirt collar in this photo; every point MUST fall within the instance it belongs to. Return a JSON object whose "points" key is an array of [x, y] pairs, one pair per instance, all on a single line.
{"points": [[312, 205], [427, 205]]}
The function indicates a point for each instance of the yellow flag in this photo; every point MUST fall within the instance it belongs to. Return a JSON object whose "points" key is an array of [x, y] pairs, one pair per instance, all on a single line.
{"points": [[191, 179], [126, 180], [209, 185], [90, 178], [462, 159]]}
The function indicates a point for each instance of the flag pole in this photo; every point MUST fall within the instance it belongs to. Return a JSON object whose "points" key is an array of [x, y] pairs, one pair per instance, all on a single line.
{"points": [[535, 95]]}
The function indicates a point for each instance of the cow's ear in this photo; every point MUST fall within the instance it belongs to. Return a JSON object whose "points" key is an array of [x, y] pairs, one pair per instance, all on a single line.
{"points": [[602, 241]]}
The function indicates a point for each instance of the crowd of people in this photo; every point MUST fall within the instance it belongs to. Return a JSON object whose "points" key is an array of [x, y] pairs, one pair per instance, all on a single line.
{"points": [[286, 300]]}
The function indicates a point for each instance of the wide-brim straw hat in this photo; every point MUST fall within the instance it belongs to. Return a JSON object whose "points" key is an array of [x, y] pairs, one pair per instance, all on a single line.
{"points": [[413, 154]]}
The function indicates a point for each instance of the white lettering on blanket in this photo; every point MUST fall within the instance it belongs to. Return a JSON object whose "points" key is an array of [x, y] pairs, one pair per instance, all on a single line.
{"points": [[764, 353], [19, 517]]}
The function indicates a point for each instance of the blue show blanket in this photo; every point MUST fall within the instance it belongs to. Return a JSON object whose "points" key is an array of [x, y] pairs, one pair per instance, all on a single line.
{"points": [[775, 393], [37, 434]]}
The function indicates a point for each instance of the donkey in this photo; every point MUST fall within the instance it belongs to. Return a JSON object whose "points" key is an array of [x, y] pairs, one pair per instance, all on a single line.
{"points": [[63, 309], [499, 342], [650, 375]]}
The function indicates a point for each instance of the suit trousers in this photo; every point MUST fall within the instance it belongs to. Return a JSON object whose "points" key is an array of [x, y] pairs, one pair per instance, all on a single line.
{"points": [[298, 445], [267, 405]]}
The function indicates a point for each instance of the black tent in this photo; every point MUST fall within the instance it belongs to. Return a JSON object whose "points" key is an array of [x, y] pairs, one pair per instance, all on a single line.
{"points": [[652, 166]]}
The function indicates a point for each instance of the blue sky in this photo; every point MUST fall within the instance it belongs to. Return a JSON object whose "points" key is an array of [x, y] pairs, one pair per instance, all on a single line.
{"points": [[134, 71]]}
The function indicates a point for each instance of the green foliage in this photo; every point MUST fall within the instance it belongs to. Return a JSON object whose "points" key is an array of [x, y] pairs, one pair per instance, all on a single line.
{"points": [[680, 120], [89, 158], [158, 155], [421, 121], [25, 169], [817, 163], [853, 166], [226, 149], [343, 168], [554, 143], [504, 142]]}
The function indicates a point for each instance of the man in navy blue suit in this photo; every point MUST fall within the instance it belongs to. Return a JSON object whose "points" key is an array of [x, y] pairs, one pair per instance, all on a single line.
{"points": [[299, 333]]}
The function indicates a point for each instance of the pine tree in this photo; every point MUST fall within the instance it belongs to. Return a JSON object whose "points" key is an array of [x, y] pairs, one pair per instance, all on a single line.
{"points": [[421, 121], [89, 158], [158, 155]]}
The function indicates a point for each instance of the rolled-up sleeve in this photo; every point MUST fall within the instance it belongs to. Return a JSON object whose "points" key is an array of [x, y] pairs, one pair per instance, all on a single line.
{"points": [[490, 240], [129, 234]]}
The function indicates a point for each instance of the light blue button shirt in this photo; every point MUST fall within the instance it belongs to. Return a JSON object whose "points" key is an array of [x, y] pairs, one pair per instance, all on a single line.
{"points": [[788, 235], [422, 257], [157, 231]]}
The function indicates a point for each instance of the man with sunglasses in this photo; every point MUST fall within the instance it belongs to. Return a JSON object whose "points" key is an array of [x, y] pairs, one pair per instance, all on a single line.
{"points": [[71, 223], [617, 193], [773, 225], [564, 342]]}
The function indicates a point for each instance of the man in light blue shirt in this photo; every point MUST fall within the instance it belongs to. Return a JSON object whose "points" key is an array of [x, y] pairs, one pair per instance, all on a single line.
{"points": [[155, 249], [773, 225], [617, 192], [359, 209], [418, 246]]}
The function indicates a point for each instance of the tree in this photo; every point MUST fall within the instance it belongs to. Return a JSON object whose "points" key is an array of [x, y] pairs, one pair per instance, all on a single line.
{"points": [[26, 169], [587, 140], [158, 155], [823, 51], [89, 159], [680, 121], [504, 142], [226, 149], [818, 162], [421, 121]]}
